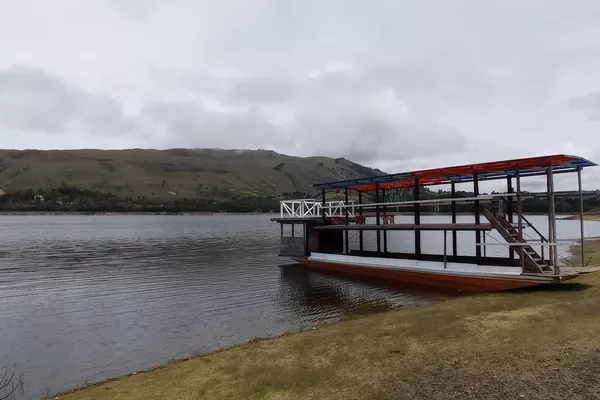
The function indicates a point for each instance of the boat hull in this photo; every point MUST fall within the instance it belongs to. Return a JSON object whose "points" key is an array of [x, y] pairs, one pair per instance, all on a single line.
{"points": [[442, 279]]}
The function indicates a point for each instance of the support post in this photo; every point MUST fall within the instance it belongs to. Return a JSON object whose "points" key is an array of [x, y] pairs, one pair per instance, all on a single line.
{"points": [[293, 229], [509, 189], [323, 206], [484, 246], [347, 222], [453, 210], [360, 212], [417, 212], [550, 240], [445, 245], [477, 217], [542, 248], [377, 218], [306, 240], [520, 216], [385, 249], [552, 222], [581, 215]]}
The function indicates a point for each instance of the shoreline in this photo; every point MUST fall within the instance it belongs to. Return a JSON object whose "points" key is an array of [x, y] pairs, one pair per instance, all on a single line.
{"points": [[538, 343], [588, 217], [121, 213]]}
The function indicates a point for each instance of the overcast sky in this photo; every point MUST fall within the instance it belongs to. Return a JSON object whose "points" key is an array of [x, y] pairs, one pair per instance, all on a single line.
{"points": [[392, 84]]}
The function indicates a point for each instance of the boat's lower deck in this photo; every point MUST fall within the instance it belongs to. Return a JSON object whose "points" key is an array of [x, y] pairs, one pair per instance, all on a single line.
{"points": [[462, 276]]}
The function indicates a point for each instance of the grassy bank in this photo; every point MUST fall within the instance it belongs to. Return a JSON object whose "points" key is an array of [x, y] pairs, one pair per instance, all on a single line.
{"points": [[542, 343], [586, 217], [592, 215]]}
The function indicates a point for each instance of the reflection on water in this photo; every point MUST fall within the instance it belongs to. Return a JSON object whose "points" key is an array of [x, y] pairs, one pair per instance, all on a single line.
{"points": [[87, 298], [320, 296]]}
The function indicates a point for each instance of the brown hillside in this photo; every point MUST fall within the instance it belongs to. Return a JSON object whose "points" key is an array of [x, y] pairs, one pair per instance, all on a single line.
{"points": [[187, 173]]}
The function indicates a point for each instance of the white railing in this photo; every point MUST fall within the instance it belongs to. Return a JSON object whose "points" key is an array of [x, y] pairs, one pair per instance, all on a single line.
{"points": [[304, 208], [309, 208]]}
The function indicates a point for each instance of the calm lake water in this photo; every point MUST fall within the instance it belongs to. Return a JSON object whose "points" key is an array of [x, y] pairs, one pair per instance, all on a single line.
{"points": [[85, 298]]}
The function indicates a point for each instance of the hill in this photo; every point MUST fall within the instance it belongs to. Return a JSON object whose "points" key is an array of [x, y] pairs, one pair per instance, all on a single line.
{"points": [[172, 174]]}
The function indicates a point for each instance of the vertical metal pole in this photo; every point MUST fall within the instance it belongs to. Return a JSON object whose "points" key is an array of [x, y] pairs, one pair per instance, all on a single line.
{"points": [[484, 246], [417, 211], [445, 245], [347, 222], [550, 240], [581, 214], [306, 240], [293, 229], [509, 189], [384, 216], [323, 206], [453, 210], [552, 222], [360, 232], [520, 215], [377, 217], [477, 218], [542, 247]]}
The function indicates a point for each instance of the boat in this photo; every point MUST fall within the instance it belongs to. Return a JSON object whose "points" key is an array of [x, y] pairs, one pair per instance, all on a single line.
{"points": [[316, 232]]}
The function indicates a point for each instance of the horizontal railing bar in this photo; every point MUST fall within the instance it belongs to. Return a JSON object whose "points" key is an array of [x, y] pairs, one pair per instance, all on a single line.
{"points": [[337, 204], [538, 241], [521, 244], [431, 201]]}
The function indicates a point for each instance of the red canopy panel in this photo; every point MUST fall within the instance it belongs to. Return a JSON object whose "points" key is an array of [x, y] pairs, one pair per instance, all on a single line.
{"points": [[496, 166], [461, 173]]}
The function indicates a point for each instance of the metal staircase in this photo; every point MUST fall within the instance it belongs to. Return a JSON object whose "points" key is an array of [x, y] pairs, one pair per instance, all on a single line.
{"points": [[533, 262]]}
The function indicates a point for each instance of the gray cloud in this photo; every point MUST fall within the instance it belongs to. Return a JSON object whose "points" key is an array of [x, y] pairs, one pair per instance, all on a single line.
{"points": [[173, 123], [33, 100], [394, 84], [262, 89], [589, 103], [336, 112]]}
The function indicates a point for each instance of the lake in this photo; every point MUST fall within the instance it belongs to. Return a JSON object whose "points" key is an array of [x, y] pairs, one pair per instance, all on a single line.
{"points": [[85, 298]]}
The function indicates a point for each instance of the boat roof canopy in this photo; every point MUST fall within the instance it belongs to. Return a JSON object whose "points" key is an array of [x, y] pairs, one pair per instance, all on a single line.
{"points": [[463, 173]]}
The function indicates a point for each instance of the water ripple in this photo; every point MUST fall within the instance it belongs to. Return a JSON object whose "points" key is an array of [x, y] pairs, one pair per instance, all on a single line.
{"points": [[87, 298]]}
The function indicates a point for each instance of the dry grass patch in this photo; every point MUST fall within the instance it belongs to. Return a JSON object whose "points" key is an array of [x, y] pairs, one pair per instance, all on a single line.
{"points": [[592, 253]]}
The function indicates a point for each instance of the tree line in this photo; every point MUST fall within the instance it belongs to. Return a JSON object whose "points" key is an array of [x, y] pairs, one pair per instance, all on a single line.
{"points": [[73, 198]]}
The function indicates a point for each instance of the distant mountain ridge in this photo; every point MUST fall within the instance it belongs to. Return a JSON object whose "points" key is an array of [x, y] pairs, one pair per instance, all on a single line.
{"points": [[173, 173]]}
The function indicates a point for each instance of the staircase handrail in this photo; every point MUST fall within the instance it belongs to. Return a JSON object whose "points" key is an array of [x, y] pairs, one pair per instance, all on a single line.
{"points": [[529, 224]]}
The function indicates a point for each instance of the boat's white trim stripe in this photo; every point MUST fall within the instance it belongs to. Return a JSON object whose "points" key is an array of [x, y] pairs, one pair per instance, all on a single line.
{"points": [[430, 267]]}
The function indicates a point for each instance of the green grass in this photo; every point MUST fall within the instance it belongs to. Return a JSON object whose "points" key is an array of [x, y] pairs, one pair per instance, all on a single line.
{"points": [[541, 343]]}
